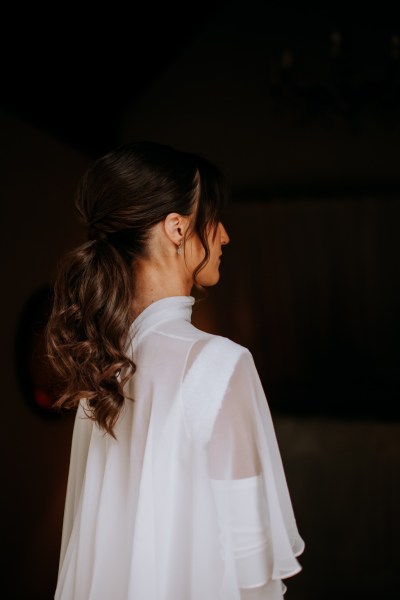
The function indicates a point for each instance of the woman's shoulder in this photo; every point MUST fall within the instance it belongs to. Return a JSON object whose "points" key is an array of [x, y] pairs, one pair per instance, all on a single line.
{"points": [[189, 333], [208, 351], [223, 346], [215, 357], [209, 371]]}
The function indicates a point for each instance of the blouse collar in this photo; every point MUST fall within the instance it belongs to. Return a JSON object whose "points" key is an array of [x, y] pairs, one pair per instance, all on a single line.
{"points": [[165, 309]]}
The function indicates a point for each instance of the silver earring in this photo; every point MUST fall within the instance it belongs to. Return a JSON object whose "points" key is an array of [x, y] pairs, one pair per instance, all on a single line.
{"points": [[179, 250]]}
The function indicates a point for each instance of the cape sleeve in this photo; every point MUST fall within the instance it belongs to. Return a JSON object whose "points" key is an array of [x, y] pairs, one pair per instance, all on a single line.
{"points": [[79, 451], [258, 532]]}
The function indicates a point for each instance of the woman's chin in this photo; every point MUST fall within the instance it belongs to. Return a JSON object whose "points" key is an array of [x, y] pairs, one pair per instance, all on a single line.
{"points": [[210, 280]]}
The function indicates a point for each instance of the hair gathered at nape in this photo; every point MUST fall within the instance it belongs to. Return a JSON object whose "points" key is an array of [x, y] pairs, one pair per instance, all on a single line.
{"points": [[119, 198]]}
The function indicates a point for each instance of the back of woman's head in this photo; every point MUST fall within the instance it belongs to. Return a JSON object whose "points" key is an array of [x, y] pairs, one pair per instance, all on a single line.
{"points": [[119, 199]]}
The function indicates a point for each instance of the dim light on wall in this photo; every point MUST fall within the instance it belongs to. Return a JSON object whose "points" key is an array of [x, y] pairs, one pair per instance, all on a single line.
{"points": [[36, 381]]}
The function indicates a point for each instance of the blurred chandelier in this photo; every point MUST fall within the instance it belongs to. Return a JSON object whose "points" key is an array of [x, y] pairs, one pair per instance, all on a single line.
{"points": [[347, 82]]}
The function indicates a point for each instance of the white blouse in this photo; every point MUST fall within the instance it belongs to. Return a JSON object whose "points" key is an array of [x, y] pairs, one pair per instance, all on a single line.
{"points": [[190, 501]]}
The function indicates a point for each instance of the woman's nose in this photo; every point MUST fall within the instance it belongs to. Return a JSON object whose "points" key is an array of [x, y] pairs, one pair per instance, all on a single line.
{"points": [[224, 236]]}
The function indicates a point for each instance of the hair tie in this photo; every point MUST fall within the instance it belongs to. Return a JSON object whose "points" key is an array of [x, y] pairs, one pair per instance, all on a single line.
{"points": [[96, 235]]}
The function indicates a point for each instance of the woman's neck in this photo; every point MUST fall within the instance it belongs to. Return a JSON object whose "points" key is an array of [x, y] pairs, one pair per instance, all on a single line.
{"points": [[154, 281]]}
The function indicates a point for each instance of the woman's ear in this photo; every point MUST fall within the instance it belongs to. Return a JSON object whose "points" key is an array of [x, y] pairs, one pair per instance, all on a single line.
{"points": [[175, 226]]}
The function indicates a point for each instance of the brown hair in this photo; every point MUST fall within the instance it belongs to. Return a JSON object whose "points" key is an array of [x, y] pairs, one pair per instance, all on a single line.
{"points": [[119, 199]]}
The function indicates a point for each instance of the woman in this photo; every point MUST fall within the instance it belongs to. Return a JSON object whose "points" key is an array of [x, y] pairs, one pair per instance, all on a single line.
{"points": [[176, 489]]}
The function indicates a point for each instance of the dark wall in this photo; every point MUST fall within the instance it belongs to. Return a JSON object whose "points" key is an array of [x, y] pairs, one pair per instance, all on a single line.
{"points": [[262, 91], [312, 287]]}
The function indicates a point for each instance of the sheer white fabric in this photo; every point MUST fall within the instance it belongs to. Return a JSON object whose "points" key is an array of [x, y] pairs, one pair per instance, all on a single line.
{"points": [[190, 502]]}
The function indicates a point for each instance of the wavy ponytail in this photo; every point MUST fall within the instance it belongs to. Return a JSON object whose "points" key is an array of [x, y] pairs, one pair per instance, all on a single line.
{"points": [[119, 199], [86, 332]]}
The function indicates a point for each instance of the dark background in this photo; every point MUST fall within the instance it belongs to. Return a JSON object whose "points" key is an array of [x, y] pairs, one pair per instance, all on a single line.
{"points": [[299, 104]]}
